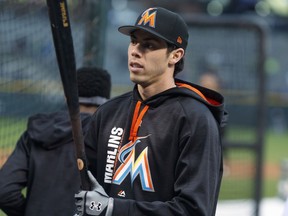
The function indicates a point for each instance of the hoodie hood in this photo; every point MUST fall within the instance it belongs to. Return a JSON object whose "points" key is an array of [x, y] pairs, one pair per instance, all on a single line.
{"points": [[212, 99], [52, 130]]}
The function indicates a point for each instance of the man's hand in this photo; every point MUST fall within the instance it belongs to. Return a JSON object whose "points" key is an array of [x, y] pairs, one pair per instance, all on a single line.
{"points": [[95, 202]]}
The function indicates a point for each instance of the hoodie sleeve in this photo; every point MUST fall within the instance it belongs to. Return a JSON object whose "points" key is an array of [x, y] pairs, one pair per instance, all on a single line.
{"points": [[13, 178], [197, 176]]}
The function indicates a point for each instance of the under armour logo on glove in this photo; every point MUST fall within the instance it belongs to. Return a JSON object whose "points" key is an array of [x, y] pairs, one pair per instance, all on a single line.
{"points": [[94, 206], [95, 202]]}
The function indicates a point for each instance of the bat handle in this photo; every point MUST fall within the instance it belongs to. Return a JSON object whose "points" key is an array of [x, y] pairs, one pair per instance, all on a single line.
{"points": [[85, 181]]}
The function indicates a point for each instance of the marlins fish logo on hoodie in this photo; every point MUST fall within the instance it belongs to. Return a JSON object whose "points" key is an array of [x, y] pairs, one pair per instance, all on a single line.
{"points": [[134, 167]]}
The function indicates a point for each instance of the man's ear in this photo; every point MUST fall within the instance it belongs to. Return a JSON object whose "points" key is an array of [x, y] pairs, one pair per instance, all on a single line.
{"points": [[176, 55]]}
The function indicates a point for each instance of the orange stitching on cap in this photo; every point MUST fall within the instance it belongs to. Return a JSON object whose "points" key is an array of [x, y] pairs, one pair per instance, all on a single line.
{"points": [[179, 40]]}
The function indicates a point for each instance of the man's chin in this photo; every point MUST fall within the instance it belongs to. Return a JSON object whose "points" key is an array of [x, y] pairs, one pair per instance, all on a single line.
{"points": [[134, 79]]}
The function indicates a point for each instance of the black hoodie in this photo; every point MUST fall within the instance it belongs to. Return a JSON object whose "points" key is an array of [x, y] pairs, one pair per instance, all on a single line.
{"points": [[161, 156], [44, 161]]}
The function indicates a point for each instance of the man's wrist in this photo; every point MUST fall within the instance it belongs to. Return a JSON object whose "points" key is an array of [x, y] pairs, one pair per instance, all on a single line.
{"points": [[110, 207]]}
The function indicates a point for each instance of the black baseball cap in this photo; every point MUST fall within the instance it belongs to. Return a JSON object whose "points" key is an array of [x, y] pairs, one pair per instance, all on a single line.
{"points": [[162, 23]]}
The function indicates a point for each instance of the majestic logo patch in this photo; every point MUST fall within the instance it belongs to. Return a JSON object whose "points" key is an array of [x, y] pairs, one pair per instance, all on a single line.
{"points": [[148, 18], [121, 193], [134, 167]]}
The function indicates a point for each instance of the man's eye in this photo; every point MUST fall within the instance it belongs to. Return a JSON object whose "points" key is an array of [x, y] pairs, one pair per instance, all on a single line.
{"points": [[147, 45]]}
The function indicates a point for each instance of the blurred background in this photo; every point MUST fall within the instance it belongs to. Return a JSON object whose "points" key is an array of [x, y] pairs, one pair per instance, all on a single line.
{"points": [[238, 47]]}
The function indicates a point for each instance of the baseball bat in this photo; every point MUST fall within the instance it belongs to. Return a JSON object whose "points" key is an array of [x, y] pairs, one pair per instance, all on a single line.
{"points": [[63, 43]]}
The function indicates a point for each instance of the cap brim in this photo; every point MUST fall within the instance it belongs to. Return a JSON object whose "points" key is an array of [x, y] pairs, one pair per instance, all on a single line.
{"points": [[128, 29]]}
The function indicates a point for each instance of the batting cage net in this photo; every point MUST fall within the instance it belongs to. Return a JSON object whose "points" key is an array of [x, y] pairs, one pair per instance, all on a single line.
{"points": [[226, 54], [29, 77]]}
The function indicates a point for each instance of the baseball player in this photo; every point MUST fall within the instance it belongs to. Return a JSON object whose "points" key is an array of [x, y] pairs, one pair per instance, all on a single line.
{"points": [[44, 159], [157, 149]]}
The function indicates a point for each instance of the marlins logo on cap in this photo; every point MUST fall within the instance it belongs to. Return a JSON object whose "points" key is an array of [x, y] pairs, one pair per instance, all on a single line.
{"points": [[162, 23], [148, 18]]}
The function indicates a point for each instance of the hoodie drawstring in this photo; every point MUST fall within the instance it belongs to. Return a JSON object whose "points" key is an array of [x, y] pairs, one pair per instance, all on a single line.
{"points": [[136, 121]]}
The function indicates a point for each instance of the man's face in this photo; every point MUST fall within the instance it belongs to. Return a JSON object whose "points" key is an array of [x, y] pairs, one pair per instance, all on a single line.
{"points": [[148, 60]]}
